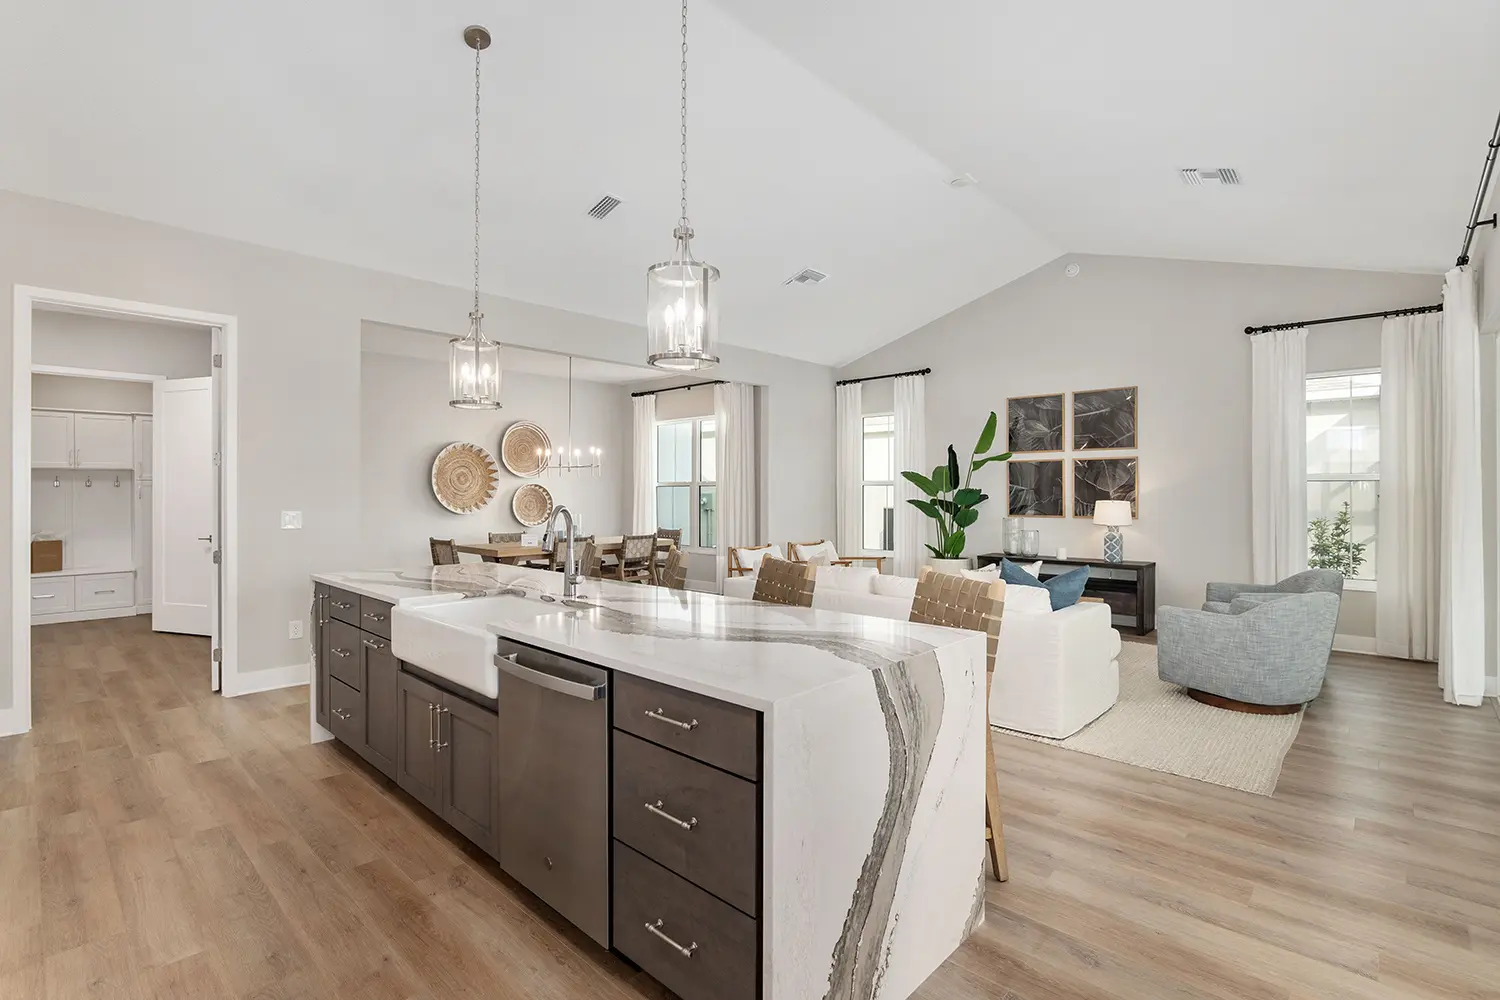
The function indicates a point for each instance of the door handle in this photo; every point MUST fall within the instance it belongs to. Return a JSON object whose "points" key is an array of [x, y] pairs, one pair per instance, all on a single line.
{"points": [[206, 538], [431, 740], [440, 743]]}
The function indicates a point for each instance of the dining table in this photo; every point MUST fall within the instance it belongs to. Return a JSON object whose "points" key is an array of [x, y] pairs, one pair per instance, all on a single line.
{"points": [[515, 552]]}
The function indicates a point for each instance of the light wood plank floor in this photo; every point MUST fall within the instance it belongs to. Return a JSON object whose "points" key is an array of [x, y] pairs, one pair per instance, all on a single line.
{"points": [[157, 841]]}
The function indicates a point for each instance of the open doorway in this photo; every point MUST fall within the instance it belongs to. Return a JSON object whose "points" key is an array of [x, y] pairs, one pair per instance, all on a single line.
{"points": [[123, 529]]}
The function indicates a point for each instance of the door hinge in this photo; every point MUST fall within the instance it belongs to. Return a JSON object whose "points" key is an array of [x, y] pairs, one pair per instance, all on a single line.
{"points": [[216, 557], [217, 460], [218, 360], [218, 655]]}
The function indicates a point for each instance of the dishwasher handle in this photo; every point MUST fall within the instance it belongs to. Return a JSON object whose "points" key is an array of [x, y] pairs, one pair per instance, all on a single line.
{"points": [[511, 664]]}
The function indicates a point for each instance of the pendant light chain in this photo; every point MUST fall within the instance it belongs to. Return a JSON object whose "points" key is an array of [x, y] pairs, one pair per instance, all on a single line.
{"points": [[684, 217], [476, 181]]}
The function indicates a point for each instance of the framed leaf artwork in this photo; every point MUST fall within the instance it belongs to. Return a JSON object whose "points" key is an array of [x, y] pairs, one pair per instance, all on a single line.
{"points": [[1034, 423], [1105, 418]]}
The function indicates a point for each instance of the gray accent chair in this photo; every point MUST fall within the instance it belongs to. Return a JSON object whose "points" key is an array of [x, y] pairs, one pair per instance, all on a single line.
{"points": [[1219, 596], [1266, 653]]}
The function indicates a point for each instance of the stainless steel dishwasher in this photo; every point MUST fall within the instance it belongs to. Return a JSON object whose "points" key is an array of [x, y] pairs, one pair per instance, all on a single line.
{"points": [[554, 782]]}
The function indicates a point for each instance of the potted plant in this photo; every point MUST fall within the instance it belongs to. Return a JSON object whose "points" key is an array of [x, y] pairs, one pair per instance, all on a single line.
{"points": [[953, 507]]}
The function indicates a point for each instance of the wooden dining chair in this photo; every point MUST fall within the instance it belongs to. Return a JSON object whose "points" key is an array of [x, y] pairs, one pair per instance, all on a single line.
{"points": [[637, 554], [587, 555], [505, 538], [977, 605], [673, 574], [672, 535], [783, 582], [444, 551], [554, 562]]}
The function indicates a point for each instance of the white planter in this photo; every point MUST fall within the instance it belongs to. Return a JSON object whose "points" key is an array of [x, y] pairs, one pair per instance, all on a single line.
{"points": [[953, 567]]}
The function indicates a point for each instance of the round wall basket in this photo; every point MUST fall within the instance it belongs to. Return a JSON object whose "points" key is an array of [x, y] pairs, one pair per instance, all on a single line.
{"points": [[519, 446], [463, 477], [532, 504]]}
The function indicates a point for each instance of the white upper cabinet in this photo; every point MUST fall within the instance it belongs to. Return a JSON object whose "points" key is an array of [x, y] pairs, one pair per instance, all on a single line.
{"points": [[103, 441], [143, 448], [51, 440]]}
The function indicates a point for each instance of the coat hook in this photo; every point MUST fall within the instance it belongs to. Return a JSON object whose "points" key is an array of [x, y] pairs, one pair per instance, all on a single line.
{"points": [[117, 479], [56, 482], [88, 480]]}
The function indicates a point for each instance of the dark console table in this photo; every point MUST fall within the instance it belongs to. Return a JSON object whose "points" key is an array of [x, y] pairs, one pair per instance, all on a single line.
{"points": [[1129, 587]]}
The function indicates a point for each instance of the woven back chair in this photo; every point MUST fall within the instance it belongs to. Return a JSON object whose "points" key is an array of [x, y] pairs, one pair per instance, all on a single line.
{"points": [[673, 535], [587, 555], [637, 553], [673, 574], [976, 605], [505, 538], [444, 551], [560, 550], [782, 582]]}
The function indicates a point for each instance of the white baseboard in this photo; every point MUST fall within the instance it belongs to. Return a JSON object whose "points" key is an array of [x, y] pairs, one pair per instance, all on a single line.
{"points": [[1492, 687], [1354, 644], [256, 681], [143, 609], [62, 617]]}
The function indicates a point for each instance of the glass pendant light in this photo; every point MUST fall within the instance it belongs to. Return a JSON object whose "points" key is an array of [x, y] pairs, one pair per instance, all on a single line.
{"points": [[682, 305], [474, 360]]}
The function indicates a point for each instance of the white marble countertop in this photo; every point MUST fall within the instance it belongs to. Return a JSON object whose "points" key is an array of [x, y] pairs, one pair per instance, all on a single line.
{"points": [[737, 650]]}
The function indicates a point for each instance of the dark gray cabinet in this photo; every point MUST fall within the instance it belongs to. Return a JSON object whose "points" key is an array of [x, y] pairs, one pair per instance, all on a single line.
{"points": [[446, 756], [380, 695], [320, 654]]}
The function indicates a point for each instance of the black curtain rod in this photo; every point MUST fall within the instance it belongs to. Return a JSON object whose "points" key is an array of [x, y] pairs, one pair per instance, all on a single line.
{"points": [[1484, 186], [674, 388], [877, 378], [1410, 311]]}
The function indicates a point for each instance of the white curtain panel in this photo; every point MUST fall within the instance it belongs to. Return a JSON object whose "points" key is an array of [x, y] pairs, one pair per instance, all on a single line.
{"points": [[911, 455], [734, 426], [643, 466], [1278, 454], [1408, 615], [1461, 647], [848, 407]]}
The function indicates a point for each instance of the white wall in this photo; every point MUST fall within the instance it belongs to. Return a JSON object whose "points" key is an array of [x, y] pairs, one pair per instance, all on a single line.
{"points": [[69, 392], [298, 377], [104, 343], [1175, 329], [399, 442]]}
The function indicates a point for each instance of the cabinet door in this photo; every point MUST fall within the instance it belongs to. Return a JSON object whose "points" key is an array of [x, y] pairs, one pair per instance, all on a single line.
{"points": [[320, 651], [468, 751], [142, 447], [417, 772], [382, 696], [142, 543], [103, 441], [51, 440]]}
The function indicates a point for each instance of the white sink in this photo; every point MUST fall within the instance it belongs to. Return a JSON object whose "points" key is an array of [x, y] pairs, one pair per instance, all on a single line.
{"points": [[448, 637]]}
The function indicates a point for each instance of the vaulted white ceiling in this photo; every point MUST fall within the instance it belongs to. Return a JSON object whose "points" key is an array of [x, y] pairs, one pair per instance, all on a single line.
{"points": [[823, 135]]}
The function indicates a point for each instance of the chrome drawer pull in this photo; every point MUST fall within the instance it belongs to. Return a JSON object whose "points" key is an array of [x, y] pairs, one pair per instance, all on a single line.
{"points": [[104, 591], [686, 824], [374, 618], [43, 597], [341, 715], [684, 952], [341, 604], [431, 740], [441, 743], [339, 652], [373, 644], [659, 717]]}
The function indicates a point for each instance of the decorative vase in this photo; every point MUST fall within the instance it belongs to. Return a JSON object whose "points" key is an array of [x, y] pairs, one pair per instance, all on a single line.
{"points": [[953, 567], [1031, 542]]}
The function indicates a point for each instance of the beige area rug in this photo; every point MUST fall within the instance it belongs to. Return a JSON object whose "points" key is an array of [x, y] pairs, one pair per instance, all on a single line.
{"points": [[1155, 725]]}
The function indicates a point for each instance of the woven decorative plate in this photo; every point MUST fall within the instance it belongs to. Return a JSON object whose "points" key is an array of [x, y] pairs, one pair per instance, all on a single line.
{"points": [[519, 445], [463, 477], [532, 504]]}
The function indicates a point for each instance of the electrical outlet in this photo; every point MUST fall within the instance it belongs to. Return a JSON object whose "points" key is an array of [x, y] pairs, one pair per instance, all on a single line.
{"points": [[291, 520], [294, 630]]}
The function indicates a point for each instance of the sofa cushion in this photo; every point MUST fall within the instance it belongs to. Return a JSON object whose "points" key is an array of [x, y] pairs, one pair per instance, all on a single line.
{"points": [[1064, 589], [810, 553], [992, 571], [894, 586], [854, 602], [853, 578], [1027, 601], [750, 558]]}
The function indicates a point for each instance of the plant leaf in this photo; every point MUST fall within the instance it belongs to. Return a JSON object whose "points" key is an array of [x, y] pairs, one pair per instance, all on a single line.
{"points": [[952, 468], [940, 480], [969, 497], [955, 543], [926, 507], [922, 483], [964, 518], [937, 552], [987, 436], [980, 463]]}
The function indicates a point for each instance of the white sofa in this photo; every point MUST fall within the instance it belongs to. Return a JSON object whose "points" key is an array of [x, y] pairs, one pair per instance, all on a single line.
{"points": [[1055, 671]]}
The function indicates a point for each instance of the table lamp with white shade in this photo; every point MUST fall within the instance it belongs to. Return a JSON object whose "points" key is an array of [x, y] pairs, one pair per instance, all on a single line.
{"points": [[1113, 514]]}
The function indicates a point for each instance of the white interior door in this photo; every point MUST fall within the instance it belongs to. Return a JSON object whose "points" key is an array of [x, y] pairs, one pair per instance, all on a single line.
{"points": [[184, 510]]}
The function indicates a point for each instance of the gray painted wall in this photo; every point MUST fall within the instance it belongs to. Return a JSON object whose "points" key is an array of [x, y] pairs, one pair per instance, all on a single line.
{"points": [[68, 392], [120, 345], [1175, 329], [299, 383], [398, 444]]}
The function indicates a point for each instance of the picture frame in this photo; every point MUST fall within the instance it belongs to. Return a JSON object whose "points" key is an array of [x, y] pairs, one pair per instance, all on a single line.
{"points": [[1036, 488], [1097, 479], [1036, 423], [1106, 419]]}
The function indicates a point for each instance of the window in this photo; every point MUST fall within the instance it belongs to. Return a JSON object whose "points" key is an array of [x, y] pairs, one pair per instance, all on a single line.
{"points": [[1343, 472], [878, 488], [686, 470]]}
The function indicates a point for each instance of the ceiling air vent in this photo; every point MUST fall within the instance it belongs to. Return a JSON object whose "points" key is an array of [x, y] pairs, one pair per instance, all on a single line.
{"points": [[604, 206], [1209, 176], [806, 276]]}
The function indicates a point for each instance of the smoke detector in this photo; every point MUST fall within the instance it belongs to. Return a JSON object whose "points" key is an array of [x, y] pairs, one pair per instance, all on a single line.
{"points": [[806, 276], [1209, 176], [604, 206]]}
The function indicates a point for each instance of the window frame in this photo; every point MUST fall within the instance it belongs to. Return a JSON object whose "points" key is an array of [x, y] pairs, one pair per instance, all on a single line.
{"points": [[864, 482], [696, 483], [1350, 583]]}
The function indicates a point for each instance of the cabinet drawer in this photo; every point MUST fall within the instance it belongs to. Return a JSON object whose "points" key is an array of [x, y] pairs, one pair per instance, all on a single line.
{"points": [[344, 644], [52, 595], [111, 590], [343, 605], [346, 717], [656, 791], [658, 916], [375, 616], [706, 729]]}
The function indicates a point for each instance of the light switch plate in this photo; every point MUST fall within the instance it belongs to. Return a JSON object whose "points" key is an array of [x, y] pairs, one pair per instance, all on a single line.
{"points": [[291, 520]]}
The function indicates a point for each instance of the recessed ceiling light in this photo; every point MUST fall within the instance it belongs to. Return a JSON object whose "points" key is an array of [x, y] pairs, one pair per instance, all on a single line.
{"points": [[1072, 270], [1209, 176], [806, 276], [962, 181]]}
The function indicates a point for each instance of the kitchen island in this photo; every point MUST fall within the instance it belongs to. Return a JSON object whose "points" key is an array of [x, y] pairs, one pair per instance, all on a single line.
{"points": [[793, 800]]}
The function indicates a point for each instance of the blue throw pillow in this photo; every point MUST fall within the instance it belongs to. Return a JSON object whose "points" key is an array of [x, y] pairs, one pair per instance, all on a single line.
{"points": [[1063, 590]]}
